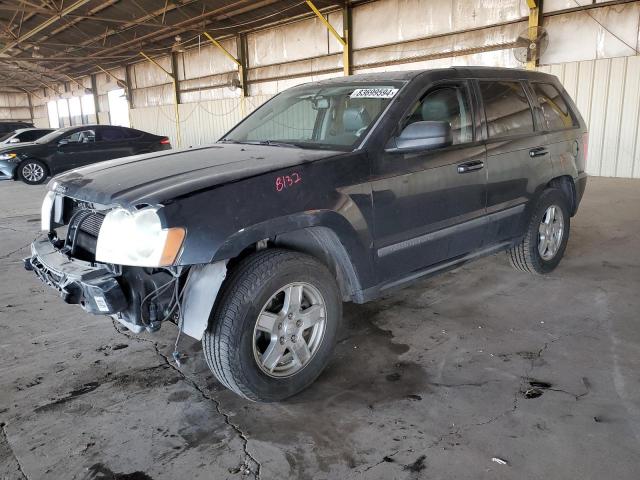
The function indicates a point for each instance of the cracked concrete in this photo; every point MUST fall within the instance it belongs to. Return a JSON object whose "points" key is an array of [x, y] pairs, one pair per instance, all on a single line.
{"points": [[427, 382], [254, 467]]}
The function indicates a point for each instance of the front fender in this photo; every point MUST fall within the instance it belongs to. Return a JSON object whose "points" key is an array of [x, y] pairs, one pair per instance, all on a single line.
{"points": [[357, 251]]}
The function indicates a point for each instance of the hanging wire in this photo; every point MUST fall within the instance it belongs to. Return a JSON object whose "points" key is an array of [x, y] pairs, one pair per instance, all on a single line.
{"points": [[603, 26]]}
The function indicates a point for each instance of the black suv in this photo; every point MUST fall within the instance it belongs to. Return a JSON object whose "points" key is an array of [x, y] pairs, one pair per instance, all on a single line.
{"points": [[331, 191]]}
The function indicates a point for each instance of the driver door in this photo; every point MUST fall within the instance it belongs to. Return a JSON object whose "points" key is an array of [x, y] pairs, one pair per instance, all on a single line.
{"points": [[429, 202]]}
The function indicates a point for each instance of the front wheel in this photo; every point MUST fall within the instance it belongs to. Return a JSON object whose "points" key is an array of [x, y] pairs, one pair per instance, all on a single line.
{"points": [[275, 326], [545, 239], [33, 172]]}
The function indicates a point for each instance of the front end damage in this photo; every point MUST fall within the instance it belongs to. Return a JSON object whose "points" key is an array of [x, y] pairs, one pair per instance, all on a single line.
{"points": [[140, 298]]}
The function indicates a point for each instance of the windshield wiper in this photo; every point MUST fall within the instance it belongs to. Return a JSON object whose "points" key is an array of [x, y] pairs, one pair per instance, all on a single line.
{"points": [[276, 143]]}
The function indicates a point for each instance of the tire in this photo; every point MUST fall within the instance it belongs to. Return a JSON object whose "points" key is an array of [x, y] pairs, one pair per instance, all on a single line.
{"points": [[526, 255], [235, 346], [33, 172]]}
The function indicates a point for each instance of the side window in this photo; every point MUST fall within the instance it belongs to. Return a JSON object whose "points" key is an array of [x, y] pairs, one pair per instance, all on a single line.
{"points": [[31, 135], [111, 134], [554, 108], [445, 104], [507, 108], [81, 136]]}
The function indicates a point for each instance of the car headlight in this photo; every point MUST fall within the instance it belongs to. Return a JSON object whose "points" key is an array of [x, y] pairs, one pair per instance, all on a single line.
{"points": [[9, 156], [138, 239]]}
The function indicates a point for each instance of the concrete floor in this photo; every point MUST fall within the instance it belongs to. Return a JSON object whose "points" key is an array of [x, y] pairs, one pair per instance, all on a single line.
{"points": [[430, 382]]}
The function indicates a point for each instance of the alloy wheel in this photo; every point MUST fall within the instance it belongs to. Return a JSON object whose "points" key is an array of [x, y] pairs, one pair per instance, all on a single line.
{"points": [[32, 172], [550, 232], [289, 329]]}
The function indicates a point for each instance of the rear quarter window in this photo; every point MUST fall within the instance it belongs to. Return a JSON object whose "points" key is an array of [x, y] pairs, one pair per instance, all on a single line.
{"points": [[507, 108], [556, 112]]}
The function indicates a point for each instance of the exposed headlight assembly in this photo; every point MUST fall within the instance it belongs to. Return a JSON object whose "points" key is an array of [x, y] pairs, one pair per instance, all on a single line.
{"points": [[9, 156], [138, 239]]}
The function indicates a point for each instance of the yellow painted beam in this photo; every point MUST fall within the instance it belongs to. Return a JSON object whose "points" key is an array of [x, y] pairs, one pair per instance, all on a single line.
{"points": [[109, 74], [534, 21], [74, 81], [224, 50], [50, 87], [31, 93], [157, 64], [174, 80], [333, 31]]}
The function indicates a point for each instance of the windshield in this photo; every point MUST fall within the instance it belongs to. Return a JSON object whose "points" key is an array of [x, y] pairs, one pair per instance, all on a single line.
{"points": [[329, 117], [7, 136]]}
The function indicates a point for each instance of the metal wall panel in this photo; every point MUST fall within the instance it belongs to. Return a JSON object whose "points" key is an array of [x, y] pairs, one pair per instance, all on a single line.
{"points": [[201, 123], [207, 59], [607, 93], [578, 36], [295, 41], [390, 21]]}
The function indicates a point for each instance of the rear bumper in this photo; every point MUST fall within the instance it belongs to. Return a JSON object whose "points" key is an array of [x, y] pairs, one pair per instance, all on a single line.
{"points": [[94, 288]]}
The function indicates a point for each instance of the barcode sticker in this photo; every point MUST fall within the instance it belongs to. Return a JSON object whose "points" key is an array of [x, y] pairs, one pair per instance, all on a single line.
{"points": [[101, 304], [378, 92]]}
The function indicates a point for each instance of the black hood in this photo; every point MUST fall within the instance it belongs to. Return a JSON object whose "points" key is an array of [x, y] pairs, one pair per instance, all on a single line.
{"points": [[158, 177]]}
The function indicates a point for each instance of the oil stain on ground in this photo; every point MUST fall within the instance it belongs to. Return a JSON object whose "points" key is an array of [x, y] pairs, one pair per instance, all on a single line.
{"points": [[100, 472], [366, 370]]}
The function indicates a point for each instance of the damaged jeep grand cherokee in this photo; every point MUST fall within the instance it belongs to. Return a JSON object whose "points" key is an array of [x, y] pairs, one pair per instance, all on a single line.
{"points": [[331, 191]]}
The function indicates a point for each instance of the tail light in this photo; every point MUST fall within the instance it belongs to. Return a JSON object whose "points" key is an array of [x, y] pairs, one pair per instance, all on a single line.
{"points": [[165, 141], [585, 147]]}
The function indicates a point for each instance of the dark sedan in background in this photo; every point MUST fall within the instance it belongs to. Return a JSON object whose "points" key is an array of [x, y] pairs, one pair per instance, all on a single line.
{"points": [[74, 147]]}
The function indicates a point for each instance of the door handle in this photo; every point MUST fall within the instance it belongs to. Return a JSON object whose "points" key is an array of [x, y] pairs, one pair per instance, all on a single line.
{"points": [[538, 152], [470, 166]]}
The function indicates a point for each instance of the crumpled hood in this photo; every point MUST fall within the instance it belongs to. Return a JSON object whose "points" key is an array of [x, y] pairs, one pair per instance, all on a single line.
{"points": [[157, 177]]}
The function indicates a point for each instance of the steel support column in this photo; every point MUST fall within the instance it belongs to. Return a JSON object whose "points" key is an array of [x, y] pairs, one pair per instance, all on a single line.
{"points": [[243, 58], [129, 88], [347, 50], [240, 61], [96, 100], [534, 21], [176, 98]]}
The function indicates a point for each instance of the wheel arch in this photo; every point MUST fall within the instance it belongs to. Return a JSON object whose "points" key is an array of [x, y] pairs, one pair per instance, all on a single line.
{"points": [[325, 235], [322, 243], [565, 184]]}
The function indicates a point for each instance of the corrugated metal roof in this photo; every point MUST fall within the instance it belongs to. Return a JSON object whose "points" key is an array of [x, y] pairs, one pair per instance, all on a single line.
{"points": [[43, 43]]}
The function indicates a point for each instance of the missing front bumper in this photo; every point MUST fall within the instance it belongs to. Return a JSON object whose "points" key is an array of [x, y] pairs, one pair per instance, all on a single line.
{"points": [[94, 288]]}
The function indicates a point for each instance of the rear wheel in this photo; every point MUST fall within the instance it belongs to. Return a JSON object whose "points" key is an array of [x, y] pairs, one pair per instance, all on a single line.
{"points": [[545, 240], [275, 326], [33, 172]]}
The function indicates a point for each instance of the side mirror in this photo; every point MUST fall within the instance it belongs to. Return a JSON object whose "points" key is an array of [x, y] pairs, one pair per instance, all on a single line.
{"points": [[14, 140], [424, 135], [63, 142]]}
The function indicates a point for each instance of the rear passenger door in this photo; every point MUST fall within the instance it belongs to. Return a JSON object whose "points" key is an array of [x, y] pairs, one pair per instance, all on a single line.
{"points": [[560, 124], [114, 142], [518, 159]]}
